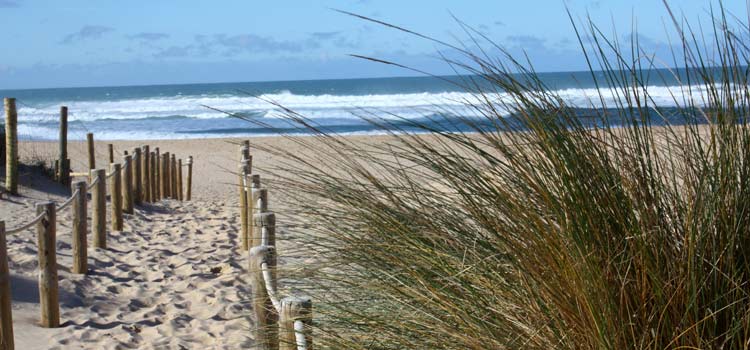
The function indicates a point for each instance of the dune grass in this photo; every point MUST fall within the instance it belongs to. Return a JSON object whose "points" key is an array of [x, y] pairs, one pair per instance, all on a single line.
{"points": [[546, 231]]}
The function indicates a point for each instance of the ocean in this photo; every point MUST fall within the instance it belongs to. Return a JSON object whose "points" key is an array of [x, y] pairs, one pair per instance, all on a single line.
{"points": [[340, 106]]}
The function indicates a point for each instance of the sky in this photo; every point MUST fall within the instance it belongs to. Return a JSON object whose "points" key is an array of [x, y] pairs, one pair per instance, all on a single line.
{"points": [[53, 43]]}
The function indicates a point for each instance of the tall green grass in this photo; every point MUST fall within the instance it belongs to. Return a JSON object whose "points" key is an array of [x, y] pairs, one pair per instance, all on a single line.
{"points": [[557, 232]]}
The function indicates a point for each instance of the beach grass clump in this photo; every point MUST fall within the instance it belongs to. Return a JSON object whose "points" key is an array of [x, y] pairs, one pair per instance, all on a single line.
{"points": [[629, 229]]}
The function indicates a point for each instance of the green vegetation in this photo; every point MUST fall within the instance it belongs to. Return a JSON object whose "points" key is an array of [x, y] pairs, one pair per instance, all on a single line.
{"points": [[558, 234]]}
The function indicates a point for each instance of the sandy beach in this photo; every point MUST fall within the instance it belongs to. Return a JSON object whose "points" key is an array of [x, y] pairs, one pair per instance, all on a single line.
{"points": [[173, 278]]}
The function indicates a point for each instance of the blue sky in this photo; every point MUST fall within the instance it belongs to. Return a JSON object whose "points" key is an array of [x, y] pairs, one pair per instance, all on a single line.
{"points": [[53, 43]]}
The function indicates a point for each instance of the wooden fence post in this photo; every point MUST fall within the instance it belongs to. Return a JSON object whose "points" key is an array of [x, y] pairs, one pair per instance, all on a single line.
{"points": [[158, 175], [64, 161], [244, 189], [152, 178], [6, 313], [189, 177], [127, 185], [99, 215], [266, 317], [145, 170], [295, 310], [164, 175], [264, 229], [179, 179], [11, 146], [90, 147], [80, 254], [111, 152], [115, 193], [173, 177], [48, 299], [136, 176]]}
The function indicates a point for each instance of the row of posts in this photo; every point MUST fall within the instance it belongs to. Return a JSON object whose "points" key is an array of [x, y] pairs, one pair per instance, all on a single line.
{"points": [[284, 324]]}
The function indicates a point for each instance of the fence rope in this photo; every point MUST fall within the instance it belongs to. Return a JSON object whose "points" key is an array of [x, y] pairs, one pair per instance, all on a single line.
{"points": [[272, 293], [28, 225], [93, 183], [68, 201], [299, 335]]}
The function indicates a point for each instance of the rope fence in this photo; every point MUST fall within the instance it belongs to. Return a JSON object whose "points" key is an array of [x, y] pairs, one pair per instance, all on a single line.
{"points": [[280, 323], [141, 187]]}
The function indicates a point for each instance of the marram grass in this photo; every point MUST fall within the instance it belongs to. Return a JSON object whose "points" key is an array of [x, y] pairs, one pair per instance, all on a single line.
{"points": [[627, 233]]}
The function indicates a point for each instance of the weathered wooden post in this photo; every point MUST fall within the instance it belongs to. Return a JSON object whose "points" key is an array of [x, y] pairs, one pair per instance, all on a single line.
{"points": [[152, 178], [264, 229], [90, 147], [111, 152], [136, 170], [189, 177], [295, 324], [158, 175], [127, 186], [173, 177], [80, 254], [145, 172], [163, 170], [99, 215], [46, 236], [179, 179], [115, 193], [64, 176], [266, 317], [243, 188], [6, 313], [11, 146]]}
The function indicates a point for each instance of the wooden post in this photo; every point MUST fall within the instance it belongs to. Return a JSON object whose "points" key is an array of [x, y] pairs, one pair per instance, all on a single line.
{"points": [[152, 178], [244, 189], [127, 186], [252, 201], [179, 179], [80, 254], [295, 309], [189, 177], [46, 231], [6, 313], [145, 171], [164, 176], [158, 175], [115, 193], [64, 176], [111, 152], [266, 317], [264, 229], [92, 156], [136, 171], [173, 177], [99, 215], [11, 146]]}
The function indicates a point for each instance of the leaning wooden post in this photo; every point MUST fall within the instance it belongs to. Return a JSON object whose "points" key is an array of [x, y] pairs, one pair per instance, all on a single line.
{"points": [[79, 228], [179, 179], [99, 215], [173, 177], [135, 169], [11, 146], [6, 313], [115, 193], [295, 323], [127, 186], [46, 232], [145, 170], [157, 175], [264, 229], [189, 177], [164, 176], [266, 317], [244, 189], [90, 147], [64, 161]]}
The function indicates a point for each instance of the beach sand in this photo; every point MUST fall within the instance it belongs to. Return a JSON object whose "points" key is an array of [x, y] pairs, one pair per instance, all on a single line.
{"points": [[173, 278]]}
